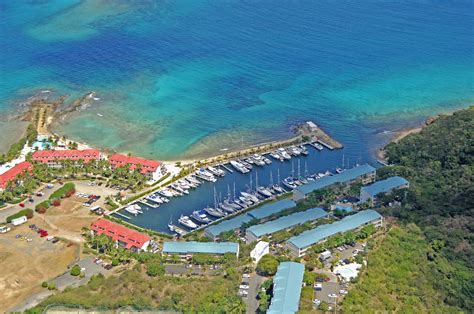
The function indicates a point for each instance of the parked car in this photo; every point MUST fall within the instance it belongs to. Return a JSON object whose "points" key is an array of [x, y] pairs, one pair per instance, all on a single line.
{"points": [[317, 302], [22, 205], [244, 287], [39, 194], [50, 186], [55, 240], [246, 275], [4, 229]]}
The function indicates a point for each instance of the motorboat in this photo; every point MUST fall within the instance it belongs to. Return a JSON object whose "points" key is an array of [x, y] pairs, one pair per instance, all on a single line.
{"points": [[187, 222], [303, 150], [275, 155], [238, 166], [246, 164], [200, 216], [266, 160], [214, 212], [178, 189], [277, 188], [165, 193], [293, 150], [262, 190], [192, 179], [283, 153], [317, 146], [245, 201], [216, 171], [339, 170], [258, 160]]}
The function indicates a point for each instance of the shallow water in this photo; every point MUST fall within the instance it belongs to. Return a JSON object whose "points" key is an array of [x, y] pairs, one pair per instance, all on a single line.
{"points": [[186, 79]]}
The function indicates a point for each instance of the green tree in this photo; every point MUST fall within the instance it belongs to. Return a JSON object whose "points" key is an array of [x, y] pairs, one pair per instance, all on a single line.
{"points": [[267, 265]]}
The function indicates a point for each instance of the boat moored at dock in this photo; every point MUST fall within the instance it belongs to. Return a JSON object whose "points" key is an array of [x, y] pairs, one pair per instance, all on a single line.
{"points": [[238, 166], [187, 222]]}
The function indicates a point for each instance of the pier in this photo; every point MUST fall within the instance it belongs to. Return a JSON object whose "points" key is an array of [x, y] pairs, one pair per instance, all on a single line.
{"points": [[325, 144], [122, 215]]}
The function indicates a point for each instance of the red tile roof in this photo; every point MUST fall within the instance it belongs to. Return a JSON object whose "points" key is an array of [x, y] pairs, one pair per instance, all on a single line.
{"points": [[145, 165], [13, 172], [46, 156], [117, 232]]}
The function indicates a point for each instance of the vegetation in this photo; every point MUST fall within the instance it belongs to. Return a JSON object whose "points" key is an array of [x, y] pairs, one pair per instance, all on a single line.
{"points": [[28, 212], [264, 295], [399, 277], [16, 148], [75, 270], [427, 264], [267, 265], [66, 190]]}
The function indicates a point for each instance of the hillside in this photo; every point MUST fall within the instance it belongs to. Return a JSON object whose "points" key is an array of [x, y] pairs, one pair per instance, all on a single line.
{"points": [[434, 250]]}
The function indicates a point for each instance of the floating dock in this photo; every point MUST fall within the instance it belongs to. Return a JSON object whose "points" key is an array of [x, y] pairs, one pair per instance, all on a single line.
{"points": [[122, 215], [227, 168]]}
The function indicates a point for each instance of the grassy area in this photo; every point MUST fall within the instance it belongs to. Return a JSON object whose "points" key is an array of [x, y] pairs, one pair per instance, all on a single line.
{"points": [[136, 289], [399, 277]]}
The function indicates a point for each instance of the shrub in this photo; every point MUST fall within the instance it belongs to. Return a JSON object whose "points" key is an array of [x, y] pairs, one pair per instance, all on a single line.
{"points": [[66, 190], [28, 212], [51, 286], [75, 270], [42, 207], [115, 262], [44, 284], [267, 265], [56, 202]]}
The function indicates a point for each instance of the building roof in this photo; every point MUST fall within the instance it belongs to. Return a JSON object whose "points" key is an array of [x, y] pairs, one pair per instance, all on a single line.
{"points": [[228, 225], [145, 165], [271, 208], [287, 288], [258, 213], [200, 247], [13, 172], [120, 233], [384, 186], [287, 222], [70, 154], [322, 232], [345, 176]]}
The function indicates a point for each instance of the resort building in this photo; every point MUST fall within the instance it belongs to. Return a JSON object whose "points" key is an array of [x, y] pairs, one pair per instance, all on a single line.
{"points": [[287, 285], [369, 193], [364, 173], [235, 223], [299, 245], [193, 247], [262, 248], [53, 158], [256, 232], [152, 169], [124, 237], [11, 174]]}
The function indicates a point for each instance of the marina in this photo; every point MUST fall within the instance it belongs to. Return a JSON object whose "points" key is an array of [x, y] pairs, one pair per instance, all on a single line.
{"points": [[217, 192]]}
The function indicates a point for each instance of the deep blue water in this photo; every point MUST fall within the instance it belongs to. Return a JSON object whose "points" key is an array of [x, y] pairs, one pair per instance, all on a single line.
{"points": [[187, 78]]}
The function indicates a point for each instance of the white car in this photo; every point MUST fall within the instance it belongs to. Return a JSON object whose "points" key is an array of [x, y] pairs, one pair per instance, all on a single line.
{"points": [[5, 229], [49, 238], [243, 293], [332, 295], [317, 302], [246, 275], [244, 287], [342, 291]]}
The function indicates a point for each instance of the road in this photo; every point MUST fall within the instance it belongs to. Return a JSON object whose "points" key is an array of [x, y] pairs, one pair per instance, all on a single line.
{"points": [[63, 281], [255, 281]]}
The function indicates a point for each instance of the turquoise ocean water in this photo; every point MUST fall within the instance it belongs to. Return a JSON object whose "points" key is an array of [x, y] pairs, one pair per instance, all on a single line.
{"points": [[179, 79]]}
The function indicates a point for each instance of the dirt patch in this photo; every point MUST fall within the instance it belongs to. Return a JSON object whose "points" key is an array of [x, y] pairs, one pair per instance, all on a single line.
{"points": [[25, 265]]}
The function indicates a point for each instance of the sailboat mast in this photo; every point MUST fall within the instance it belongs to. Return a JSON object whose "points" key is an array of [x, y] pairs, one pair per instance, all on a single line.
{"points": [[234, 193], [278, 175], [343, 165], [299, 172], [292, 169], [256, 179], [271, 178]]}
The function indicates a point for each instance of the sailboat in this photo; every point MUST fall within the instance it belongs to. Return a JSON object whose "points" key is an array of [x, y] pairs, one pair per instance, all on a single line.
{"points": [[261, 189]]}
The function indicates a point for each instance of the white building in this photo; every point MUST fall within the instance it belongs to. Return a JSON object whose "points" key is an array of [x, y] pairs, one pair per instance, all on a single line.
{"points": [[260, 249]]}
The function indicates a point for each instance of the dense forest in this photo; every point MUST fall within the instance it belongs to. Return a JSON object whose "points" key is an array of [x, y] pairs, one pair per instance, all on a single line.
{"points": [[436, 221]]}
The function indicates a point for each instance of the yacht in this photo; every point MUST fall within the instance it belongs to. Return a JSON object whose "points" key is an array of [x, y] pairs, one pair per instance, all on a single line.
{"points": [[200, 216], [289, 183], [214, 212], [283, 153], [216, 171], [258, 160], [227, 208], [249, 160], [185, 221], [238, 166], [242, 204], [232, 204], [164, 199], [205, 175], [134, 209], [245, 200], [275, 155], [154, 199], [175, 229], [249, 196], [246, 164], [192, 179], [339, 170], [178, 189], [293, 150]]}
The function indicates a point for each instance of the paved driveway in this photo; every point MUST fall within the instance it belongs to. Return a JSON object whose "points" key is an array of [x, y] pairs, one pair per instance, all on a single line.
{"points": [[255, 281]]}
